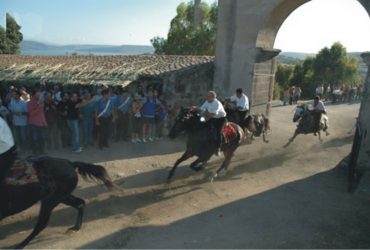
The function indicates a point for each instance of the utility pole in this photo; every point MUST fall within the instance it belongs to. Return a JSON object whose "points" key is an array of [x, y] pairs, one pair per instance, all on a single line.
{"points": [[197, 14]]}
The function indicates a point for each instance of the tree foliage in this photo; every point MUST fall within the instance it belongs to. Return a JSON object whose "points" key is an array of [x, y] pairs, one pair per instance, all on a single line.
{"points": [[10, 37], [330, 67], [184, 38]]}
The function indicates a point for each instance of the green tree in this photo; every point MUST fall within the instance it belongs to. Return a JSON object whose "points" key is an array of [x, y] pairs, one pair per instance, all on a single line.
{"points": [[13, 35], [333, 66], [3, 41], [185, 39]]}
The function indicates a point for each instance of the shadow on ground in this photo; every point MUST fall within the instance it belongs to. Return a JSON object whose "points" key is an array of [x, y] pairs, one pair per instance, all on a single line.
{"points": [[308, 213]]}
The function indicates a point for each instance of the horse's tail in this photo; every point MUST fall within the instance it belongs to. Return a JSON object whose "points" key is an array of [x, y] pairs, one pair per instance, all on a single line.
{"points": [[95, 172]]}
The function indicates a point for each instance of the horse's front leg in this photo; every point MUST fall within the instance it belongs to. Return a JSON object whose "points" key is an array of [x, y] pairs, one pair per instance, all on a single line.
{"points": [[183, 158], [291, 139]]}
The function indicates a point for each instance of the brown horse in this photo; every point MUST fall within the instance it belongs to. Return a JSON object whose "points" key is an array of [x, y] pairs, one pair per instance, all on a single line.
{"points": [[202, 141], [56, 180]]}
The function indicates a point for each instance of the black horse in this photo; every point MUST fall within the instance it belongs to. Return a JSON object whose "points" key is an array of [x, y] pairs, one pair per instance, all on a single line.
{"points": [[57, 179], [201, 141]]}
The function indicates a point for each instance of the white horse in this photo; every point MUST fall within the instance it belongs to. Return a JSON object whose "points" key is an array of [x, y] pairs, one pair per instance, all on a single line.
{"points": [[305, 118]]}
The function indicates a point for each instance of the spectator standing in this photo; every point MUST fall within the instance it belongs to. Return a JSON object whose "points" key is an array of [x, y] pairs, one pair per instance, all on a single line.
{"points": [[51, 115], [137, 122], [149, 108], [160, 116], [297, 94], [103, 118], [291, 93], [73, 122], [37, 122], [24, 95], [123, 105], [19, 111], [286, 97], [62, 120], [87, 109]]}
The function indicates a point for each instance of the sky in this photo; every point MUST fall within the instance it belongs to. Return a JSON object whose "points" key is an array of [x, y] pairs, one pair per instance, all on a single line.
{"points": [[115, 22]]}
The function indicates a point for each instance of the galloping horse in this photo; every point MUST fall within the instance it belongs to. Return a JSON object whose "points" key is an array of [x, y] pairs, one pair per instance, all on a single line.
{"points": [[255, 125], [304, 116], [55, 181], [202, 142]]}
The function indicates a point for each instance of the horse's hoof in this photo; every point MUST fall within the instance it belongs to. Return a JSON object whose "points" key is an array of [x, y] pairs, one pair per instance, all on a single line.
{"points": [[72, 230]]}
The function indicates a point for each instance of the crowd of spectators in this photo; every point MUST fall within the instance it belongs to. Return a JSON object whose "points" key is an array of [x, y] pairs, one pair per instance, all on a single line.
{"points": [[44, 118]]}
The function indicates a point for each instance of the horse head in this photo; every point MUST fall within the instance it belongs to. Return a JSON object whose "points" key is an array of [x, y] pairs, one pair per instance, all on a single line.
{"points": [[184, 121]]}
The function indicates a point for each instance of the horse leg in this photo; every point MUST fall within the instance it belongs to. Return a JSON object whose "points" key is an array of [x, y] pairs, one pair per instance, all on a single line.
{"points": [[319, 133], [183, 158], [291, 140], [265, 136], [79, 204], [43, 220], [194, 167], [228, 155]]}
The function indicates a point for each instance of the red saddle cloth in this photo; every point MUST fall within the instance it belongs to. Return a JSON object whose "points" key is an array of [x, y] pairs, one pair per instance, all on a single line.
{"points": [[230, 133], [22, 173]]}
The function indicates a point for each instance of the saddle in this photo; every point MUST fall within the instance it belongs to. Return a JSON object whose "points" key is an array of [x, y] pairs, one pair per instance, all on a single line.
{"points": [[229, 133], [22, 173]]}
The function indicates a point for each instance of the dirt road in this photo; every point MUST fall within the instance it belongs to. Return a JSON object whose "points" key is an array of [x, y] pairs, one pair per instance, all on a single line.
{"points": [[271, 197]]}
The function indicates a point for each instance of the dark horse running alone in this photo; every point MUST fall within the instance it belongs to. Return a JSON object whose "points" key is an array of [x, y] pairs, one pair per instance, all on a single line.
{"points": [[56, 179], [201, 140]]}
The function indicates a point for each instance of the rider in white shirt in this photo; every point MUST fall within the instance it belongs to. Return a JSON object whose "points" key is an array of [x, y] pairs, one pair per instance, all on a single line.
{"points": [[214, 113], [242, 103], [7, 149]]}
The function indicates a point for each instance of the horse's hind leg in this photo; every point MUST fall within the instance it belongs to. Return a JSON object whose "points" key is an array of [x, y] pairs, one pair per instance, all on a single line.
{"points": [[79, 204], [42, 222], [228, 155], [265, 137]]}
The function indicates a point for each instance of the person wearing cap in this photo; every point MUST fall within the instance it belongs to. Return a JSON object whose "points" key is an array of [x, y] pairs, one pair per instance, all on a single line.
{"points": [[7, 149], [242, 103], [122, 105], [137, 122], [103, 118], [214, 113]]}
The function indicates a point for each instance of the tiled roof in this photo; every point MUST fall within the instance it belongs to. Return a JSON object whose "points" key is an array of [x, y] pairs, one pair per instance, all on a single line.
{"points": [[98, 68]]}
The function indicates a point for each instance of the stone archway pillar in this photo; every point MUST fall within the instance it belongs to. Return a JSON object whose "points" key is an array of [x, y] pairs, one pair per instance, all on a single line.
{"points": [[364, 120]]}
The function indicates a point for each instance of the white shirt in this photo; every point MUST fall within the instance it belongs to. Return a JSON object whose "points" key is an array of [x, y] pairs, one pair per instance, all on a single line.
{"points": [[320, 106], [242, 103], [6, 137], [215, 108]]}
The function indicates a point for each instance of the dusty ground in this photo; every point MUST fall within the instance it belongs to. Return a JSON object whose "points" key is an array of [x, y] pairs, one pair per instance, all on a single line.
{"points": [[271, 197]]}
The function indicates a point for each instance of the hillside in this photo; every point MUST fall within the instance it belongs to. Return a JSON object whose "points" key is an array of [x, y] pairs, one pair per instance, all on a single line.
{"points": [[37, 48]]}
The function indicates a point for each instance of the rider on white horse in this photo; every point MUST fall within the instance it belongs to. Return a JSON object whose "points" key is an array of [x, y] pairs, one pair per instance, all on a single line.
{"points": [[7, 149]]}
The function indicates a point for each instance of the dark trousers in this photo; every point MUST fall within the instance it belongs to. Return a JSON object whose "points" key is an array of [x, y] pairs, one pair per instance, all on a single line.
{"points": [[38, 139], [242, 115], [317, 120], [104, 130], [218, 124], [7, 160], [122, 126]]}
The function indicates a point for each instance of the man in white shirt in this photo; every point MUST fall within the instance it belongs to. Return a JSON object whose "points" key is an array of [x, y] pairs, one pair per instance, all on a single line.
{"points": [[318, 110], [215, 114], [7, 149], [242, 103]]}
